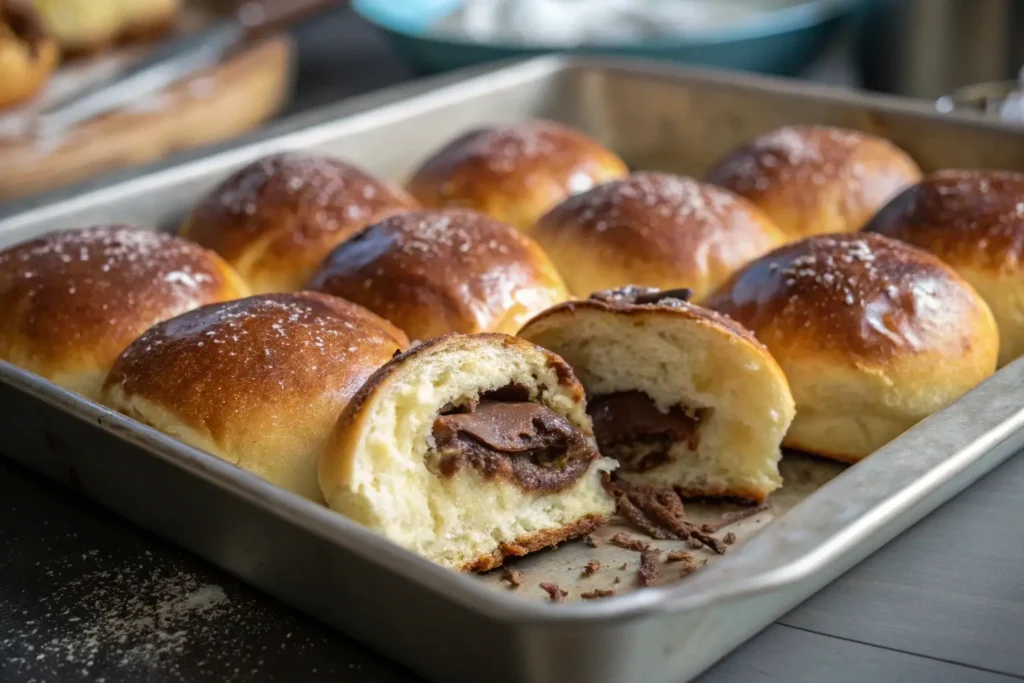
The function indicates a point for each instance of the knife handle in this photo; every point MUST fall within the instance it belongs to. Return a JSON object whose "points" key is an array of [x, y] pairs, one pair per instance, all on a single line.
{"points": [[261, 18]]}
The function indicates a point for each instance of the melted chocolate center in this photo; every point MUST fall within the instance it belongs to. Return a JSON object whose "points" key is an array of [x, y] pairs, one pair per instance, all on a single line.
{"points": [[505, 436], [630, 428]]}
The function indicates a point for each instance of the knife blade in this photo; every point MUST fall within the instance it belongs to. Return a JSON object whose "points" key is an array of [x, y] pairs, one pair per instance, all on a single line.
{"points": [[176, 60]]}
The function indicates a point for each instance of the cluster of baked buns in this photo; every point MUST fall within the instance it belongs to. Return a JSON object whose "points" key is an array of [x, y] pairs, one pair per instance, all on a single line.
{"points": [[461, 364], [35, 33]]}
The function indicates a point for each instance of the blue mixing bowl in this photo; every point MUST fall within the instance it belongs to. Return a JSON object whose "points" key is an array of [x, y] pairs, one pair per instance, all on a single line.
{"points": [[781, 42]]}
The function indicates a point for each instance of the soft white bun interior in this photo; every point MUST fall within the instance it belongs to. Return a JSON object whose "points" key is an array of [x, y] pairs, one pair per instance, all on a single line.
{"points": [[688, 360], [375, 472]]}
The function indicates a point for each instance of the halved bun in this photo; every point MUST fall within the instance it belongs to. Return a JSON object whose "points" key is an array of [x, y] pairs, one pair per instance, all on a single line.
{"points": [[388, 467], [680, 395]]}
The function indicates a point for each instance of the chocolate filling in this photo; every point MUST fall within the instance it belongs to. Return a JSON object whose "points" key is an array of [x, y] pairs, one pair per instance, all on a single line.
{"points": [[503, 435], [630, 428]]}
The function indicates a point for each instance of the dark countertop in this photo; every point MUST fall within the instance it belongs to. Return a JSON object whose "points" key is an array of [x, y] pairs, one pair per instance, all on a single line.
{"points": [[86, 596]]}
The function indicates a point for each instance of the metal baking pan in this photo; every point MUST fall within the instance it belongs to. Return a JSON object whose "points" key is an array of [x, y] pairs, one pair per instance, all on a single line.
{"points": [[453, 627]]}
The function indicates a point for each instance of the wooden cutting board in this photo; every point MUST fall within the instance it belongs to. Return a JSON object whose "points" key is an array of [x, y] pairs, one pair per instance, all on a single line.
{"points": [[225, 101]]}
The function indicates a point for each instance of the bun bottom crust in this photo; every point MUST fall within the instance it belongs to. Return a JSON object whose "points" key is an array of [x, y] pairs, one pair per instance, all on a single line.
{"points": [[524, 545]]}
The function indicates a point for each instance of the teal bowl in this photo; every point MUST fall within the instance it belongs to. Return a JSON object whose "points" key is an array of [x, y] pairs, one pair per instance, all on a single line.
{"points": [[780, 42]]}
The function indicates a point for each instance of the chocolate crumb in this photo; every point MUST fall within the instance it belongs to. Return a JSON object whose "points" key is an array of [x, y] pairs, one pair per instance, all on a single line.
{"points": [[694, 544], [678, 556], [592, 567], [554, 592], [617, 580], [592, 540], [598, 593], [626, 541], [710, 541], [639, 518], [624, 567], [649, 567], [513, 576], [729, 539], [730, 518]]}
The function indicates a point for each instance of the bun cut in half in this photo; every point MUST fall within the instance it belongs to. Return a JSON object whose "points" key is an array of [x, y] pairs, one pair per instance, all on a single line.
{"points": [[873, 335], [974, 221], [681, 396], [656, 230], [468, 449], [71, 301], [257, 382], [514, 173], [275, 220], [812, 180], [435, 272]]}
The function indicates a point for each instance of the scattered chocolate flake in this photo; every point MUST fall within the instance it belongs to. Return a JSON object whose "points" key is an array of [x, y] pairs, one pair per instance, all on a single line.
{"points": [[617, 580], [694, 544], [513, 576], [649, 567], [624, 567], [637, 518], [710, 541], [735, 516], [729, 539], [592, 567], [592, 540], [554, 592], [598, 593], [626, 541], [678, 556]]}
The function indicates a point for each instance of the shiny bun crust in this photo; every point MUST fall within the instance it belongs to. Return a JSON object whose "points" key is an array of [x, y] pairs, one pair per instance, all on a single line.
{"points": [[89, 26], [514, 172], [812, 179], [71, 301], [275, 220], [656, 230], [974, 221], [434, 272], [257, 382], [685, 359], [27, 54], [377, 470], [873, 335]]}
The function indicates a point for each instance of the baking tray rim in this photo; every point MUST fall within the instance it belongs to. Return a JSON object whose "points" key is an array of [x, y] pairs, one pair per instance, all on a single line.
{"points": [[304, 130]]}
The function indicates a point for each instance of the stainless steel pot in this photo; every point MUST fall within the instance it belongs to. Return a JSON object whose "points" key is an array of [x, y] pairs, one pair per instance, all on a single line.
{"points": [[930, 48]]}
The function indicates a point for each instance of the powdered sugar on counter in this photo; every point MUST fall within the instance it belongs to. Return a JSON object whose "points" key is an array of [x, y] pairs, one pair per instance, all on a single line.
{"points": [[564, 23]]}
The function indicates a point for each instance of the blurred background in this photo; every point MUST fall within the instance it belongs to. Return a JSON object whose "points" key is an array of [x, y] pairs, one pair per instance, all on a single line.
{"points": [[220, 81]]}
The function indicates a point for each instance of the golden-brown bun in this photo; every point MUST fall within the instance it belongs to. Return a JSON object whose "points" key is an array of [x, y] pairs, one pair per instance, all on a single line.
{"points": [[376, 467], [434, 272], [87, 26], [257, 382], [974, 221], [655, 230], [71, 301], [873, 335], [27, 54], [514, 173], [687, 361], [812, 179], [275, 220]]}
